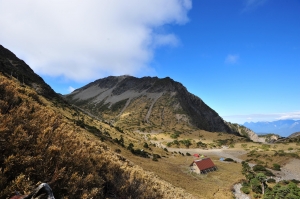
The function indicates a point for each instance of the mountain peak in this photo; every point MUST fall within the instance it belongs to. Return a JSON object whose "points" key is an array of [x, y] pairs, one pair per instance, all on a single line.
{"points": [[147, 102]]}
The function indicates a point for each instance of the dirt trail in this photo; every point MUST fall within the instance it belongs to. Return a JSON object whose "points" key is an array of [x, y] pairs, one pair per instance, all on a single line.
{"points": [[289, 171], [238, 193]]}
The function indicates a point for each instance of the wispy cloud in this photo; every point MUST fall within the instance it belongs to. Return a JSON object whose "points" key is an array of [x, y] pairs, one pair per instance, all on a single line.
{"points": [[262, 117], [71, 89], [85, 40], [232, 59], [253, 4], [292, 115]]}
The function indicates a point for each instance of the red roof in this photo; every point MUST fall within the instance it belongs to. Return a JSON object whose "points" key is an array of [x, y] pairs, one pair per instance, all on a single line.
{"points": [[204, 163], [17, 197]]}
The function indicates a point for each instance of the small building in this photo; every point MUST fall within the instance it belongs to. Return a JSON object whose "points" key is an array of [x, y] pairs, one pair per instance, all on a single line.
{"points": [[196, 155], [203, 166]]}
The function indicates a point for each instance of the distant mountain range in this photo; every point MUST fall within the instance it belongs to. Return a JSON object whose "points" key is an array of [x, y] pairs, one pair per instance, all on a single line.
{"points": [[283, 128]]}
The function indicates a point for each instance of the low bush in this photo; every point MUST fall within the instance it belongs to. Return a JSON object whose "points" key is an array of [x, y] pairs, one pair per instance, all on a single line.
{"points": [[229, 160], [271, 180], [246, 189], [295, 181], [259, 167], [276, 167]]}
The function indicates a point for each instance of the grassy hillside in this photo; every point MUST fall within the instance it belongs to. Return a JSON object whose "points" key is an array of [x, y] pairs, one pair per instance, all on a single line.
{"points": [[40, 144], [82, 157]]}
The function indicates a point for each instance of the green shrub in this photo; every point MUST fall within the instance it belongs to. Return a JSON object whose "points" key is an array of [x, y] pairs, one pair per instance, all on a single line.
{"points": [[201, 144], [268, 173], [186, 142], [255, 185], [295, 181], [155, 157], [259, 167], [245, 189], [146, 145], [271, 180], [276, 167]]}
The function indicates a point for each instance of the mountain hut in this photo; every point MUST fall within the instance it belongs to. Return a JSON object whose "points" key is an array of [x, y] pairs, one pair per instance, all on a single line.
{"points": [[203, 166]]}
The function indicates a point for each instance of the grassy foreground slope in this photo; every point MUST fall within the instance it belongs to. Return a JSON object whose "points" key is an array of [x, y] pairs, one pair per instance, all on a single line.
{"points": [[39, 144]]}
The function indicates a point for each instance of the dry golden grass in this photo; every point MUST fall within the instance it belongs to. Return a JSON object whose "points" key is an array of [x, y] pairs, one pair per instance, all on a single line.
{"points": [[39, 144], [269, 154], [36, 129]]}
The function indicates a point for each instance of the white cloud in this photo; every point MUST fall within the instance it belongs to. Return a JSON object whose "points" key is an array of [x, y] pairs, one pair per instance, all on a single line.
{"points": [[262, 117], [253, 4], [232, 59], [71, 89], [84, 40], [292, 115], [168, 39]]}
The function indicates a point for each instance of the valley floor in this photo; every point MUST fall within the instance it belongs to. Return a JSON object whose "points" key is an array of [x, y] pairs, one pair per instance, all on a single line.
{"points": [[289, 171]]}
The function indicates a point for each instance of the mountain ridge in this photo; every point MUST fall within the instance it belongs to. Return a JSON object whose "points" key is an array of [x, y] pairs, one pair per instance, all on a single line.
{"points": [[12, 66], [159, 95], [151, 91]]}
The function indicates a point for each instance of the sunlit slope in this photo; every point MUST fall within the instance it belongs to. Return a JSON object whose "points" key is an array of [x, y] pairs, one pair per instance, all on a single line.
{"points": [[39, 144]]}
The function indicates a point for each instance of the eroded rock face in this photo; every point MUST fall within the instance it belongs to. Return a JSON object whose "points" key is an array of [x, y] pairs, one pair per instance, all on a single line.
{"points": [[254, 137], [245, 132]]}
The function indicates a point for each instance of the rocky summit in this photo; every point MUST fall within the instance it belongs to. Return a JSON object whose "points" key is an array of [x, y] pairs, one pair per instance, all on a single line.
{"points": [[149, 104]]}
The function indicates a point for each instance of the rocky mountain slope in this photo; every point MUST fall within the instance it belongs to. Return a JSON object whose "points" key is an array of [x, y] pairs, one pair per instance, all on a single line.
{"points": [[294, 135], [12, 66], [150, 104]]}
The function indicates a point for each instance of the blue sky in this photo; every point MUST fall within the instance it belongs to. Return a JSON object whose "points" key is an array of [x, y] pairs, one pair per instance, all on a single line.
{"points": [[241, 57]]}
